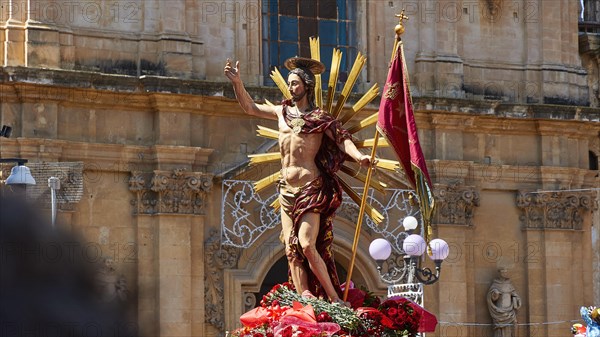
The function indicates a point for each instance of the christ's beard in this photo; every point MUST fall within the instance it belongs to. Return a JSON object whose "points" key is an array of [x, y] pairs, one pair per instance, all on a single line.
{"points": [[297, 98]]}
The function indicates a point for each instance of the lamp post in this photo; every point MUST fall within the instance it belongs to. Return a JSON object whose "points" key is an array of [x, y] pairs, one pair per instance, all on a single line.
{"points": [[408, 278], [54, 184]]}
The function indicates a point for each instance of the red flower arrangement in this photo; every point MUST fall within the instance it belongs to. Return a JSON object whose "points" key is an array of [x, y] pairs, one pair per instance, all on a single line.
{"points": [[284, 313], [402, 315]]}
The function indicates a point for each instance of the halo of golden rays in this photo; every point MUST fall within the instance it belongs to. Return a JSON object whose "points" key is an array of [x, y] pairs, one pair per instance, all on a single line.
{"points": [[343, 116]]}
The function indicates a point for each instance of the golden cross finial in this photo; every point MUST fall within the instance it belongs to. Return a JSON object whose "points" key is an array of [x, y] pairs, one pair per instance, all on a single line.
{"points": [[400, 26], [401, 16]]}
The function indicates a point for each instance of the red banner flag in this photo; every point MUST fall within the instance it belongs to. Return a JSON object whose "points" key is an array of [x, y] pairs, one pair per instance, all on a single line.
{"points": [[396, 122]]}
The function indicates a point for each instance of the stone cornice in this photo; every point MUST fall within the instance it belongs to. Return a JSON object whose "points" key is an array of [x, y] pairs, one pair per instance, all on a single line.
{"points": [[106, 157], [508, 110], [81, 87], [508, 126], [182, 154], [33, 93], [509, 177]]}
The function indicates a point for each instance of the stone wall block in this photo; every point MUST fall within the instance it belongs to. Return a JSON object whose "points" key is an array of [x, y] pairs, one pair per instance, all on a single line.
{"points": [[43, 48], [14, 54]]}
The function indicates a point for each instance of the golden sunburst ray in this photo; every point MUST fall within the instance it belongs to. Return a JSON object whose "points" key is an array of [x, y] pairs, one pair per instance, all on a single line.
{"points": [[382, 142], [390, 165], [357, 67], [369, 210], [334, 71], [369, 96], [266, 182], [364, 123], [276, 205], [260, 158], [280, 82], [376, 184], [315, 53], [267, 133]]}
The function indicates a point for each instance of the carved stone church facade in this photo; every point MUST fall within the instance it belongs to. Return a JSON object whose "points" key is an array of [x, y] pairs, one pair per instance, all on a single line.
{"points": [[126, 102]]}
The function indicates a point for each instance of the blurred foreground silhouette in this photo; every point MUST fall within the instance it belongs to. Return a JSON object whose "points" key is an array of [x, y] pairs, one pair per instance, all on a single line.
{"points": [[47, 287]]}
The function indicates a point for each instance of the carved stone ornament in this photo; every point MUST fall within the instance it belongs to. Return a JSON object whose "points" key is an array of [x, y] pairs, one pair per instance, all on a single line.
{"points": [[554, 210], [249, 301], [217, 257], [176, 191], [455, 204]]}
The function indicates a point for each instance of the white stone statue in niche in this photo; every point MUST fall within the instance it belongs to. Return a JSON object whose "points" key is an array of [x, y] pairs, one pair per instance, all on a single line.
{"points": [[503, 303]]}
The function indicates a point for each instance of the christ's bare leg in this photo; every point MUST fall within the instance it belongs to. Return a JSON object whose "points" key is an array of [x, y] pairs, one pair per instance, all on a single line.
{"points": [[299, 276], [307, 236]]}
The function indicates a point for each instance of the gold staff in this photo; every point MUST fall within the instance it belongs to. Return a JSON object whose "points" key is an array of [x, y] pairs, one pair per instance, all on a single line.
{"points": [[399, 29]]}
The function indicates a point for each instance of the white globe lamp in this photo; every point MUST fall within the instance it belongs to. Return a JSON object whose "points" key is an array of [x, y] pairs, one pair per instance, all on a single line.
{"points": [[380, 249], [414, 245]]}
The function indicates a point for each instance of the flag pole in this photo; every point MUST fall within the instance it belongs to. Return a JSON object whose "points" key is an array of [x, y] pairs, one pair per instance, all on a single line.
{"points": [[399, 29], [361, 214]]}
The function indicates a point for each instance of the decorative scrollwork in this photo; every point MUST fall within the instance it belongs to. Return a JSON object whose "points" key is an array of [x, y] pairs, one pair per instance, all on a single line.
{"points": [[240, 225], [217, 258], [249, 301], [245, 215], [413, 291], [555, 210]]}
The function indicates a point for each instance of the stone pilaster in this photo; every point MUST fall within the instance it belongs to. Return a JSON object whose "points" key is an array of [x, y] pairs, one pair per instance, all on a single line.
{"points": [[170, 208], [557, 240], [14, 13], [43, 36]]}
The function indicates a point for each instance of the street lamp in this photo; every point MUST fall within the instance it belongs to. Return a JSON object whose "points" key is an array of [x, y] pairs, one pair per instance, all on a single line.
{"points": [[19, 174], [402, 277]]}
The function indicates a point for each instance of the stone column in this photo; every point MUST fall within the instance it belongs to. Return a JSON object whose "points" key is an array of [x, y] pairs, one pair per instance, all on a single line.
{"points": [[554, 227], [147, 238], [249, 46], [15, 14], [562, 71], [455, 208], [43, 37], [170, 208], [174, 46], [449, 72], [193, 17]]}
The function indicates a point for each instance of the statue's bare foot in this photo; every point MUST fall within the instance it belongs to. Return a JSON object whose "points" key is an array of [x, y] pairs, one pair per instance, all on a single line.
{"points": [[308, 294], [341, 302]]}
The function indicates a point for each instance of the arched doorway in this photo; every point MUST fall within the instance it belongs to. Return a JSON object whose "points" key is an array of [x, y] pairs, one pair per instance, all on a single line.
{"points": [[264, 264]]}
